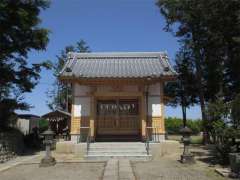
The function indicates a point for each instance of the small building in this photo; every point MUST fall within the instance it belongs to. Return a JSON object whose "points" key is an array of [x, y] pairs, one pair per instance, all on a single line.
{"points": [[118, 96], [59, 121], [27, 122]]}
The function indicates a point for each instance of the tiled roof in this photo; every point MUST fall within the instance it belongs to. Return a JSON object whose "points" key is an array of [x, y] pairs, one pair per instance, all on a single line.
{"points": [[117, 65]]}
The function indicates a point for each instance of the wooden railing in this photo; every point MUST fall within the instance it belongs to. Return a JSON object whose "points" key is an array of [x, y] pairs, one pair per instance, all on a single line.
{"points": [[147, 142], [85, 136], [152, 135], [63, 136], [88, 140]]}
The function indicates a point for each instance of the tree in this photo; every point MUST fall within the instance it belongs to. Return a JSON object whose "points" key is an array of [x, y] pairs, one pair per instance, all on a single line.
{"points": [[223, 122], [218, 116], [211, 30], [60, 95], [235, 112], [19, 34], [182, 92]]}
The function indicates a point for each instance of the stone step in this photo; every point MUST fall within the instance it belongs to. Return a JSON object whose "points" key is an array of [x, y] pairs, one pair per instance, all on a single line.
{"points": [[117, 145], [133, 153], [118, 148], [118, 138], [119, 156]]}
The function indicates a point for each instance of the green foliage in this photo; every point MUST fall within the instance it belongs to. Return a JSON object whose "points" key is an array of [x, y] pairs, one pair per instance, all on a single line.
{"points": [[43, 125], [224, 129], [60, 95], [13, 138], [217, 113], [235, 113], [19, 34], [173, 125], [195, 125], [182, 92], [210, 30]]}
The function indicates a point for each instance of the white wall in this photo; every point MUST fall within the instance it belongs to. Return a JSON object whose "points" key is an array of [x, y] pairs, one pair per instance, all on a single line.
{"points": [[81, 100], [154, 104], [23, 125], [81, 106]]}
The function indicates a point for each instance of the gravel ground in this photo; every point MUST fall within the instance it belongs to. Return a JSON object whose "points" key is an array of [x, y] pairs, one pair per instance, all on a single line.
{"points": [[171, 169], [61, 171]]}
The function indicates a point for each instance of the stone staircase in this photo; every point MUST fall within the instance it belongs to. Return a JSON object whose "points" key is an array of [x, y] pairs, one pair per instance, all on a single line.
{"points": [[118, 150]]}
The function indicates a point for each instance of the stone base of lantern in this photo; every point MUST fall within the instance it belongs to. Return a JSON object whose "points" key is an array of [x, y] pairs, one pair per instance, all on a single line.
{"points": [[187, 158], [46, 162]]}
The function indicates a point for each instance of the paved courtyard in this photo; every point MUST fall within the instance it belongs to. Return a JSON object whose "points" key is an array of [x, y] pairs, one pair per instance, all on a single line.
{"points": [[62, 171], [164, 169], [169, 169], [70, 167]]}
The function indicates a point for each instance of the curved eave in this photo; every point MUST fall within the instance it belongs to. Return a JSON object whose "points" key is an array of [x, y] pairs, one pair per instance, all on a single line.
{"points": [[106, 80]]}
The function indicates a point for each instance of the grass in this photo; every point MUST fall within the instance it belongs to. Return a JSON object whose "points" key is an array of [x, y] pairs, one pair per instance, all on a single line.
{"points": [[195, 139]]}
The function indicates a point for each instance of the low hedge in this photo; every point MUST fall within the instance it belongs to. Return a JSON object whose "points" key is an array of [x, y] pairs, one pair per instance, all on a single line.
{"points": [[174, 124]]}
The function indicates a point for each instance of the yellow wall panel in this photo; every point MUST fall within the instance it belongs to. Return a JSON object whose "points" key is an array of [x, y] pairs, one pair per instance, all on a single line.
{"points": [[156, 123], [78, 122]]}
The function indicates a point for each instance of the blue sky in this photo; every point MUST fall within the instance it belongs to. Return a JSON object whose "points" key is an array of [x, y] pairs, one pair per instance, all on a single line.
{"points": [[106, 25]]}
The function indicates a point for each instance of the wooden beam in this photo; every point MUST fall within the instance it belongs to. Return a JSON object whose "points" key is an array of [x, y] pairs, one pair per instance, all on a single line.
{"points": [[118, 94], [143, 116], [116, 81], [92, 113], [162, 105], [72, 112]]}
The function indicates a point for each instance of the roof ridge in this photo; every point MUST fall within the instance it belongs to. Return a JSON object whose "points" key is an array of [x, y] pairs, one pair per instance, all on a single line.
{"points": [[118, 57], [115, 54], [124, 65]]}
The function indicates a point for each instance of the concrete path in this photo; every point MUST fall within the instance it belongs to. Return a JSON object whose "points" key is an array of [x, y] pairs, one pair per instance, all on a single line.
{"points": [[118, 170], [16, 161]]}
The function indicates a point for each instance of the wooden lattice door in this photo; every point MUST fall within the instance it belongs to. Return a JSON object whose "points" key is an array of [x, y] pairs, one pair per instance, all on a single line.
{"points": [[118, 117]]}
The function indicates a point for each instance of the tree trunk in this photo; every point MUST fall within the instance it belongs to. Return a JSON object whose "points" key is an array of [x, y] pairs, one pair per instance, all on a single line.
{"points": [[206, 138], [184, 116], [199, 57]]}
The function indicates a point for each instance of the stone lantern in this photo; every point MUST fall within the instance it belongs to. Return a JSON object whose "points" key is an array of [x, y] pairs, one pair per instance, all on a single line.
{"points": [[187, 156], [48, 160], [234, 165]]}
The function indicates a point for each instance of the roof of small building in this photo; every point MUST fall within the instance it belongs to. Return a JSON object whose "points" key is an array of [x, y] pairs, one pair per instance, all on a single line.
{"points": [[28, 116], [56, 115], [117, 65]]}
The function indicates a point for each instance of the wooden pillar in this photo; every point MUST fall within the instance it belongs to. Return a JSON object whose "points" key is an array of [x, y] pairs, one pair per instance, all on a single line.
{"points": [[143, 116], [72, 112], [92, 116], [162, 107]]}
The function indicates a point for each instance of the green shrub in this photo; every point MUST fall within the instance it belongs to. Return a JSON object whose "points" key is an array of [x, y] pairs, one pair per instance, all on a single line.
{"points": [[43, 125], [13, 138], [173, 125]]}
